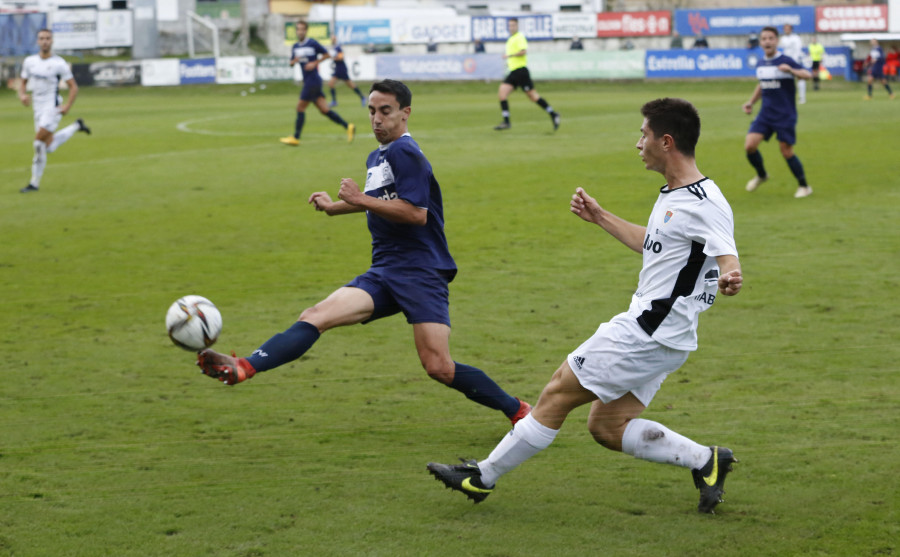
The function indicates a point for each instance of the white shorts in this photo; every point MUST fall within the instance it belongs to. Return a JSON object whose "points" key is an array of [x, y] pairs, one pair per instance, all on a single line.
{"points": [[622, 358], [47, 116]]}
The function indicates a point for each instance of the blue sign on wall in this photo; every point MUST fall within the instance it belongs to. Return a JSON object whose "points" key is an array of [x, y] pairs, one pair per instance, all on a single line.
{"points": [[450, 67], [18, 33], [729, 62], [689, 23], [197, 70], [534, 27], [373, 31]]}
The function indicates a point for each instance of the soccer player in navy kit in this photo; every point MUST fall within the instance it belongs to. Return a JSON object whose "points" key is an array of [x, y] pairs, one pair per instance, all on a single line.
{"points": [[309, 54], [778, 115], [876, 70], [411, 265], [689, 256], [341, 73]]}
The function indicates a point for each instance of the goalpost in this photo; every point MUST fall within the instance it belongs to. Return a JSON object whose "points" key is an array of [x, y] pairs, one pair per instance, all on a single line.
{"points": [[192, 18]]}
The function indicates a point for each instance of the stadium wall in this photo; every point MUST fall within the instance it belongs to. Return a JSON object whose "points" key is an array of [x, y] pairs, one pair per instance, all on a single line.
{"points": [[633, 64]]}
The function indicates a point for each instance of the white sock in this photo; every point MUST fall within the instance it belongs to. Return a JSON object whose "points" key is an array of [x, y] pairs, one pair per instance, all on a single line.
{"points": [[801, 90], [657, 443], [526, 439], [38, 162], [62, 136]]}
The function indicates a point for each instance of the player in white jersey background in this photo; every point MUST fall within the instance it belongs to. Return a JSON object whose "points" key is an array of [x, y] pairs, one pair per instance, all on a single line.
{"points": [[689, 256], [44, 71], [791, 45]]}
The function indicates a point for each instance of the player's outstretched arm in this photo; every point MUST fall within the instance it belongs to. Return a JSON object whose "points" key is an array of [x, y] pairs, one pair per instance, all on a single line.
{"points": [[730, 278], [396, 210], [586, 207], [322, 202], [757, 93]]}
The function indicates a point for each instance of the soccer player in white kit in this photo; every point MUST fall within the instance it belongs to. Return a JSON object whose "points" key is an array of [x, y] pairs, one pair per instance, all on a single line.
{"points": [[791, 45], [689, 257], [44, 71]]}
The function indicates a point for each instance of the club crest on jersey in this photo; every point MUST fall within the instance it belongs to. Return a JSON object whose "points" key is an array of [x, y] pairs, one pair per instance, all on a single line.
{"points": [[669, 214]]}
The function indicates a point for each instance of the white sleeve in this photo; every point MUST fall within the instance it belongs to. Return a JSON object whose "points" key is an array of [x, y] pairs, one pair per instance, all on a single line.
{"points": [[713, 226], [65, 72]]}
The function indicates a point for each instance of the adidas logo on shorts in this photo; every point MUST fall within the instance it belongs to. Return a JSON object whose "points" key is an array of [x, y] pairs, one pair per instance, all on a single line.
{"points": [[579, 361]]}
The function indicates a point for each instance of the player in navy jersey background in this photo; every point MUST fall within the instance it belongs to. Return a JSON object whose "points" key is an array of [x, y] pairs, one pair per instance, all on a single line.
{"points": [[411, 265], [778, 114], [309, 54], [689, 257], [341, 73], [875, 70]]}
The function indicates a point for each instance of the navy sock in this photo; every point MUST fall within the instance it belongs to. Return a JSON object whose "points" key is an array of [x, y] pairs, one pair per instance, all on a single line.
{"points": [[480, 388], [284, 347], [335, 117], [797, 169], [298, 124], [869, 89], [888, 87], [756, 160], [358, 92], [333, 95]]}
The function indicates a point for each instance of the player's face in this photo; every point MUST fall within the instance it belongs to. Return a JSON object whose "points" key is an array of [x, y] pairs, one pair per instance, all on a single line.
{"points": [[513, 26], [45, 41], [388, 119], [301, 32], [650, 148], [769, 43]]}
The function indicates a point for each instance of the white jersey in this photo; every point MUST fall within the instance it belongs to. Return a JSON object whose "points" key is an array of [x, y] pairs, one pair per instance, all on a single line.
{"points": [[689, 227], [44, 75], [791, 45]]}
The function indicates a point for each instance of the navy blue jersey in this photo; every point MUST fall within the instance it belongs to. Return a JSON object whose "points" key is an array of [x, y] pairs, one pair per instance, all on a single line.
{"points": [[306, 52], [876, 57], [779, 91], [400, 170], [340, 66]]}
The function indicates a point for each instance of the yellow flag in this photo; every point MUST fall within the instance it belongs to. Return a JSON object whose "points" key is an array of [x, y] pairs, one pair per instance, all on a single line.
{"points": [[824, 73]]}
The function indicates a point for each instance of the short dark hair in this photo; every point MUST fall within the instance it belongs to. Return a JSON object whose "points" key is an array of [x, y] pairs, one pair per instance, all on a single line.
{"points": [[44, 30], [513, 19], [303, 23], [769, 28], [393, 87], [675, 117]]}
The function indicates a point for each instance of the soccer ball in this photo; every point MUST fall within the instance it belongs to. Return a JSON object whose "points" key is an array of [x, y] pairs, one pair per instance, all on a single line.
{"points": [[194, 323]]}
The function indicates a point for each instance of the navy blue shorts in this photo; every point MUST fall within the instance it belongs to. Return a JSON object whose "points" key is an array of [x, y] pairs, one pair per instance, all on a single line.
{"points": [[341, 72], [423, 295], [786, 134], [311, 92]]}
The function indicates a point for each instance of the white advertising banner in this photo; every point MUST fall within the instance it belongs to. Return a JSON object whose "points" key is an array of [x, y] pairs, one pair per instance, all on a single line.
{"points": [[236, 69], [73, 29], [115, 28], [160, 72], [569, 24], [425, 29]]}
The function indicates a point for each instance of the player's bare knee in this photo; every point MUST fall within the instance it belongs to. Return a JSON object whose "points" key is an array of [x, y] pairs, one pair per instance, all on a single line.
{"points": [[606, 434], [438, 370]]}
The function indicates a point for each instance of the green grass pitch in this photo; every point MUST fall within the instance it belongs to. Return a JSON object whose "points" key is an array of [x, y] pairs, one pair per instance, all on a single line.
{"points": [[114, 444]]}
